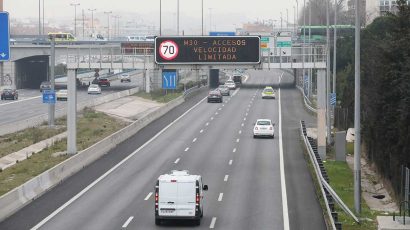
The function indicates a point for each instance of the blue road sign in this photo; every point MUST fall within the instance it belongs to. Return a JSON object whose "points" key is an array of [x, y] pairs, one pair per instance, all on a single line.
{"points": [[4, 37], [169, 79], [226, 33], [49, 96], [333, 99]]}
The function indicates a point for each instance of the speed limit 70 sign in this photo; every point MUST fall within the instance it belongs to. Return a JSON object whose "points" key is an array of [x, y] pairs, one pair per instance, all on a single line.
{"points": [[168, 50]]}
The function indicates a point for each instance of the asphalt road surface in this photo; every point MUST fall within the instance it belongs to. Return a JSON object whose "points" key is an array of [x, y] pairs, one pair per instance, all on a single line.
{"points": [[253, 183], [30, 104]]}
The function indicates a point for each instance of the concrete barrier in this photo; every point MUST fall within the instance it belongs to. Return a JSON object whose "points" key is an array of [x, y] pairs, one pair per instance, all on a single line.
{"points": [[16, 199], [38, 120]]}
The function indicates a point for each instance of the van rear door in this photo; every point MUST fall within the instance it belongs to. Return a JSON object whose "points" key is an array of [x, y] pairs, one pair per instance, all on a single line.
{"points": [[186, 198], [168, 198]]}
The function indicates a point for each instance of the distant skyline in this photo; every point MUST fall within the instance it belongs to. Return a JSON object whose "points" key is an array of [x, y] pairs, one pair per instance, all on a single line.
{"points": [[224, 14]]}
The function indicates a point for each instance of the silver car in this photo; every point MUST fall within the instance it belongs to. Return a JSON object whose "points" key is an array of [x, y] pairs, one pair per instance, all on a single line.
{"points": [[224, 90]]}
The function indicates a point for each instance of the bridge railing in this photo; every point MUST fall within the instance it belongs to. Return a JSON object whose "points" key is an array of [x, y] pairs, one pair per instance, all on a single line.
{"points": [[93, 57]]}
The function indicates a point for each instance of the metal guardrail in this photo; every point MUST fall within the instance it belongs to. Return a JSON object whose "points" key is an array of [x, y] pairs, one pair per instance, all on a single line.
{"points": [[327, 192], [306, 101]]}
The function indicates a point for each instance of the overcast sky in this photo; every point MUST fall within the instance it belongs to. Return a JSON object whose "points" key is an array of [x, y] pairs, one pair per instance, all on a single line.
{"points": [[223, 11]]}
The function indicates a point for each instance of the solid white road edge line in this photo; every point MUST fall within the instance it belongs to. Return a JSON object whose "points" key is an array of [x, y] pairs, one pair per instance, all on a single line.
{"points": [[148, 196], [127, 222], [45, 220], [282, 171], [213, 222]]}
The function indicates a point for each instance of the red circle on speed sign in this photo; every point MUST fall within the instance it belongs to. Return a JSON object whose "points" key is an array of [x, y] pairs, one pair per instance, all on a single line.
{"points": [[168, 50]]}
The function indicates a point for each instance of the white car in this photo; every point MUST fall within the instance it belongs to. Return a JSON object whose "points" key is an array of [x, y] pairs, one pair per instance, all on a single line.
{"points": [[62, 94], [264, 127], [179, 195], [125, 77], [230, 84], [94, 89]]}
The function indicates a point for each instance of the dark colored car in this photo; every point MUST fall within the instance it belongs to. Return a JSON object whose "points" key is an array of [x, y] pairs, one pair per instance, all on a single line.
{"points": [[103, 82], [215, 96], [238, 80], [45, 85], [9, 94]]}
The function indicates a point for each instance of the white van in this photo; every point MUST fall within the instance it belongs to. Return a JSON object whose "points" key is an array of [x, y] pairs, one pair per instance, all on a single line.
{"points": [[179, 195]]}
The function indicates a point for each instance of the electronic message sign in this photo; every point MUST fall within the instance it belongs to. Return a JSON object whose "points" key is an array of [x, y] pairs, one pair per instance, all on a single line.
{"points": [[207, 50]]}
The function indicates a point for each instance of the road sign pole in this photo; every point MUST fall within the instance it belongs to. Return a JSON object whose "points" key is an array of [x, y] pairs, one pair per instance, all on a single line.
{"points": [[357, 141], [72, 112], [51, 106]]}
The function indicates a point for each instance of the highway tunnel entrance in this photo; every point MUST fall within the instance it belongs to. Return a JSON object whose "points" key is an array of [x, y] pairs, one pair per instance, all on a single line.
{"points": [[31, 71]]}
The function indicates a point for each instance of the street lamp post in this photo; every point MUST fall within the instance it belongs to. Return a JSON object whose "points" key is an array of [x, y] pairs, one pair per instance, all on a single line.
{"points": [[294, 19], [297, 13], [357, 141], [329, 139], [43, 18], [75, 17], [334, 49], [281, 21], [304, 45], [108, 27], [287, 18], [160, 17], [202, 9], [92, 20], [39, 17], [178, 17]]}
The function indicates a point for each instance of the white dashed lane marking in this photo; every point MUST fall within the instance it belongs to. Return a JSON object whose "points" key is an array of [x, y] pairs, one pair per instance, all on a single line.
{"points": [[194, 139], [207, 124], [201, 131], [186, 149], [230, 162], [237, 140], [221, 195], [177, 160], [240, 131], [148, 196], [226, 177], [213, 223], [127, 222]]}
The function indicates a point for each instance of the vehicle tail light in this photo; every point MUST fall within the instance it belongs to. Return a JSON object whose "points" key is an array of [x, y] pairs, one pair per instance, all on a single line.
{"points": [[156, 200], [271, 128], [197, 199]]}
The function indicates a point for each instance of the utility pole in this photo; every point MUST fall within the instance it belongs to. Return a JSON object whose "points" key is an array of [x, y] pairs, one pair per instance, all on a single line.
{"points": [[160, 17], [39, 17], [287, 19], [294, 20], [304, 45], [83, 23], [202, 9], [43, 19], [92, 20], [310, 57], [328, 123], [210, 19], [357, 141], [281, 21], [334, 49], [297, 13], [178, 17], [75, 17]]}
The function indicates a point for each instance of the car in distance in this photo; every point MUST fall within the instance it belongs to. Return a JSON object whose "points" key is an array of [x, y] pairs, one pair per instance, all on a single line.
{"points": [[179, 196], [61, 95], [263, 128], [268, 92], [215, 96], [104, 82], [94, 89], [9, 94], [125, 78], [224, 90], [230, 84], [45, 85], [237, 78]]}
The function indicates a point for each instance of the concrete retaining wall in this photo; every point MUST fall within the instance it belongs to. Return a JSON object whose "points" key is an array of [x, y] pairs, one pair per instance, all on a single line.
{"points": [[38, 120], [22, 195]]}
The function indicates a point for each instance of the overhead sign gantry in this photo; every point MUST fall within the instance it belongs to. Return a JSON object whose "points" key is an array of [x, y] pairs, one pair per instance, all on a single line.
{"points": [[208, 50]]}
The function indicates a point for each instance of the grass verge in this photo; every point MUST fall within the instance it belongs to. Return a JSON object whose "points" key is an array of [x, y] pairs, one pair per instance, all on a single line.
{"points": [[92, 127], [161, 96], [341, 180], [13, 142]]}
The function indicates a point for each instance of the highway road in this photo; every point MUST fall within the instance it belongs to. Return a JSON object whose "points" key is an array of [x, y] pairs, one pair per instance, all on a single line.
{"points": [[30, 104], [253, 183]]}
